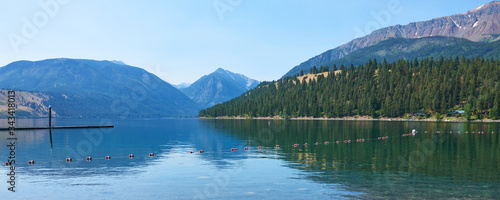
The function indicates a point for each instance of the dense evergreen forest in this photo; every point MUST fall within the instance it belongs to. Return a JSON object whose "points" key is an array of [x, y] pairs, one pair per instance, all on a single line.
{"points": [[434, 86]]}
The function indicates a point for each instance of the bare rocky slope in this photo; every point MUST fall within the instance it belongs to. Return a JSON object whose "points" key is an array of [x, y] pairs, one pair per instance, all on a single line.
{"points": [[480, 24]]}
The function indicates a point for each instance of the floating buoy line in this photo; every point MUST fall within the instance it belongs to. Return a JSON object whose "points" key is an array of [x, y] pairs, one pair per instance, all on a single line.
{"points": [[359, 140]]}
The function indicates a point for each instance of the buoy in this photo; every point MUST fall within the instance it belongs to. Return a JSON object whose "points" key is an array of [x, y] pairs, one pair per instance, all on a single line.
{"points": [[31, 162], [151, 154], [378, 138], [316, 143], [295, 145], [337, 142], [466, 131], [69, 159], [258, 147], [131, 156], [232, 149], [246, 148], [107, 157], [201, 151], [348, 141], [450, 131], [458, 131], [327, 142], [7, 163], [190, 151], [305, 144], [89, 158], [277, 146], [345, 141], [363, 139]]}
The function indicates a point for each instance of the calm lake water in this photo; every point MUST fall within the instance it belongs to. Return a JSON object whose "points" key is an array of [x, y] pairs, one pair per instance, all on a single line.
{"points": [[428, 165]]}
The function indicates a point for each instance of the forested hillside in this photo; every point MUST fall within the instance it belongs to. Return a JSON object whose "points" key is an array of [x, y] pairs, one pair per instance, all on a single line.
{"points": [[375, 89]]}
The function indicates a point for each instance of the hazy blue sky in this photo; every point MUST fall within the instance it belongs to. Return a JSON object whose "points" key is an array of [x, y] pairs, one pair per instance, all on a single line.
{"points": [[182, 40]]}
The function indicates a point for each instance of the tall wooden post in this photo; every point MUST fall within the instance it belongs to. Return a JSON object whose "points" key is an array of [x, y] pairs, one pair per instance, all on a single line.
{"points": [[50, 117]]}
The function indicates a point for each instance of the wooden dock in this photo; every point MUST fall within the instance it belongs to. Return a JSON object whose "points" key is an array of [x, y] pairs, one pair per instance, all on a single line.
{"points": [[59, 127]]}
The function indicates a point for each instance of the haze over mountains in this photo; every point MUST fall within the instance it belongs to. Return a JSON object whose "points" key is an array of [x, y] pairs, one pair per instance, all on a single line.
{"points": [[89, 88], [219, 86], [479, 25]]}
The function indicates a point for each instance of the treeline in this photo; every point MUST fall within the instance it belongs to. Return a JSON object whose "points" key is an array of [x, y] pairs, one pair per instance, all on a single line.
{"points": [[378, 90]]}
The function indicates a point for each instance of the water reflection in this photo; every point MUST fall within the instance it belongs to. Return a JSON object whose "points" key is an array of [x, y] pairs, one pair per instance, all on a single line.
{"points": [[412, 165]]}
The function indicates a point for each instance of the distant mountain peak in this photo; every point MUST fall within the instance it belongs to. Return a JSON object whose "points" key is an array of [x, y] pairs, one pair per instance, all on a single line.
{"points": [[219, 86], [119, 62], [181, 85]]}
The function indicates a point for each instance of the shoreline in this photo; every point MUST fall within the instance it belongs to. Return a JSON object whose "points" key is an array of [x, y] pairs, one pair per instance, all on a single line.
{"points": [[359, 119]]}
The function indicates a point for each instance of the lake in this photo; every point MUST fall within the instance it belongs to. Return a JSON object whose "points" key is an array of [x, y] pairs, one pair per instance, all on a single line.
{"points": [[443, 160]]}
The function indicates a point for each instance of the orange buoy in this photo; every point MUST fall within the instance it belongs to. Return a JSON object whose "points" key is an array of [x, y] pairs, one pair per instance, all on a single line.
{"points": [[277, 146], [258, 147], [107, 157], [31, 162], [89, 158], [201, 151], [131, 156], [246, 148], [190, 151], [69, 160], [151, 154], [7, 163]]}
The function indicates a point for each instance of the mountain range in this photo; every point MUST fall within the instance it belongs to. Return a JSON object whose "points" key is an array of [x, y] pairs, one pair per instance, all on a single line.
{"points": [[218, 86], [393, 49], [479, 25], [89, 88]]}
